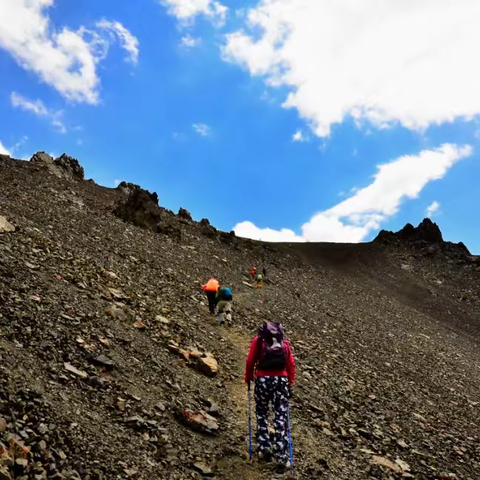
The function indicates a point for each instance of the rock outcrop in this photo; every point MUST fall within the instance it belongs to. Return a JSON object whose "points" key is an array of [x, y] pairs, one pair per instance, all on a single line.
{"points": [[63, 167], [70, 167], [129, 188], [185, 214], [427, 236]]}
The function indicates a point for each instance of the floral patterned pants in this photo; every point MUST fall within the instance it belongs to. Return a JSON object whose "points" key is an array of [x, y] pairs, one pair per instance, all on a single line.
{"points": [[272, 390]]}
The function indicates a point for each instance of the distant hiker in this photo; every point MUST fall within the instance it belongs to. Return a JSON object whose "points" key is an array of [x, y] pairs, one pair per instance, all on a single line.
{"points": [[264, 272], [224, 305], [211, 288], [259, 281], [270, 362], [253, 272]]}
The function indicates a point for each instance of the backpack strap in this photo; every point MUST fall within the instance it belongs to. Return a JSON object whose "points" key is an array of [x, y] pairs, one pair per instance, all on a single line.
{"points": [[259, 348]]}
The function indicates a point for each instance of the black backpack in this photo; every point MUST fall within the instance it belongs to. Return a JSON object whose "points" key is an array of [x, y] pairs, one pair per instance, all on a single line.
{"points": [[273, 352]]}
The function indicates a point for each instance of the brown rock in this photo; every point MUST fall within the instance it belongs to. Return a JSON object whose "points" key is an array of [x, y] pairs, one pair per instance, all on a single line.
{"points": [[116, 312], [385, 462], [201, 421], [208, 365], [121, 404], [139, 324], [79, 373], [5, 226], [203, 469]]}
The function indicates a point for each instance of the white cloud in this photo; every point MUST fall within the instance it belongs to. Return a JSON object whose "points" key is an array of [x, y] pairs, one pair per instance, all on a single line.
{"points": [[127, 40], [3, 150], [249, 230], [19, 144], [380, 62], [64, 59], [38, 108], [298, 137], [432, 209], [188, 41], [187, 10], [354, 218], [202, 129]]}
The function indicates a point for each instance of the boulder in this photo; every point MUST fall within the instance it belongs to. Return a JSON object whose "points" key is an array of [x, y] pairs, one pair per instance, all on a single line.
{"points": [[42, 158], [45, 161], [200, 421], [208, 365], [5, 225], [203, 468]]}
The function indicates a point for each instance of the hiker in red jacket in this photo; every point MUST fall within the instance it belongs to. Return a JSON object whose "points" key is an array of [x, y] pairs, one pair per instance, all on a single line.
{"points": [[270, 362]]}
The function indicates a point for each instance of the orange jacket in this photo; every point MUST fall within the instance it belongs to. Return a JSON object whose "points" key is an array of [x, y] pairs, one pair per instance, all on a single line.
{"points": [[211, 286]]}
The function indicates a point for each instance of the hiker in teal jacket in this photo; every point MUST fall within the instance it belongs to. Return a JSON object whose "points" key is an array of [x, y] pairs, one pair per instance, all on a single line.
{"points": [[224, 305]]}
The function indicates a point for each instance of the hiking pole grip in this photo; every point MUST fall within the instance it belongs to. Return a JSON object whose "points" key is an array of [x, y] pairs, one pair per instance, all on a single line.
{"points": [[289, 434], [249, 422]]}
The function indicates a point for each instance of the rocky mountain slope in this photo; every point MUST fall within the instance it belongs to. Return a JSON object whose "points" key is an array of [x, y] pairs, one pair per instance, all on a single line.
{"points": [[111, 367]]}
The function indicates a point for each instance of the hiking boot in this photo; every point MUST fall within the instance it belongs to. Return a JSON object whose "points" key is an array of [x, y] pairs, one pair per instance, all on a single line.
{"points": [[283, 467], [265, 456]]}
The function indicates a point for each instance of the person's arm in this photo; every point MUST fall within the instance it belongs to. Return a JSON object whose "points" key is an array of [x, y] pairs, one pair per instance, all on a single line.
{"points": [[290, 364], [251, 361]]}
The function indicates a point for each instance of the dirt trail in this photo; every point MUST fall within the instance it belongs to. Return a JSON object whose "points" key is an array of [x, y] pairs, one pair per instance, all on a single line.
{"points": [[240, 339]]}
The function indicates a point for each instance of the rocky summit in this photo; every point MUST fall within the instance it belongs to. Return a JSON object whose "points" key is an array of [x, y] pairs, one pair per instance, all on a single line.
{"points": [[112, 368]]}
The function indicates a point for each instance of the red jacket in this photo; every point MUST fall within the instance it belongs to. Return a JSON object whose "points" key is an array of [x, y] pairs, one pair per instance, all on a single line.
{"points": [[254, 356]]}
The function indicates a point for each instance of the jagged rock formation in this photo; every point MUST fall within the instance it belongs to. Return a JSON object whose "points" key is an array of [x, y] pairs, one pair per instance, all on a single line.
{"points": [[426, 232], [426, 236], [70, 166], [185, 214], [64, 166], [110, 366], [130, 188], [141, 210]]}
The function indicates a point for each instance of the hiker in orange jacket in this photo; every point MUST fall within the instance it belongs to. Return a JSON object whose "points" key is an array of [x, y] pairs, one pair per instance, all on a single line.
{"points": [[253, 272], [211, 289], [270, 362]]}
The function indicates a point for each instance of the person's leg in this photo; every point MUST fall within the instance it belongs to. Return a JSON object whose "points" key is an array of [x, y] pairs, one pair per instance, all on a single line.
{"points": [[227, 312], [280, 406], [211, 301], [262, 397]]}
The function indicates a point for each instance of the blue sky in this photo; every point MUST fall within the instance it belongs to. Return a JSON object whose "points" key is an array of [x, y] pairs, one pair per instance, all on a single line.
{"points": [[268, 117]]}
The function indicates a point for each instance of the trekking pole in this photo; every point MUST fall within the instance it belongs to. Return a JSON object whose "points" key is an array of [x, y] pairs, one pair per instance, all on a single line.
{"points": [[249, 422], [289, 435]]}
